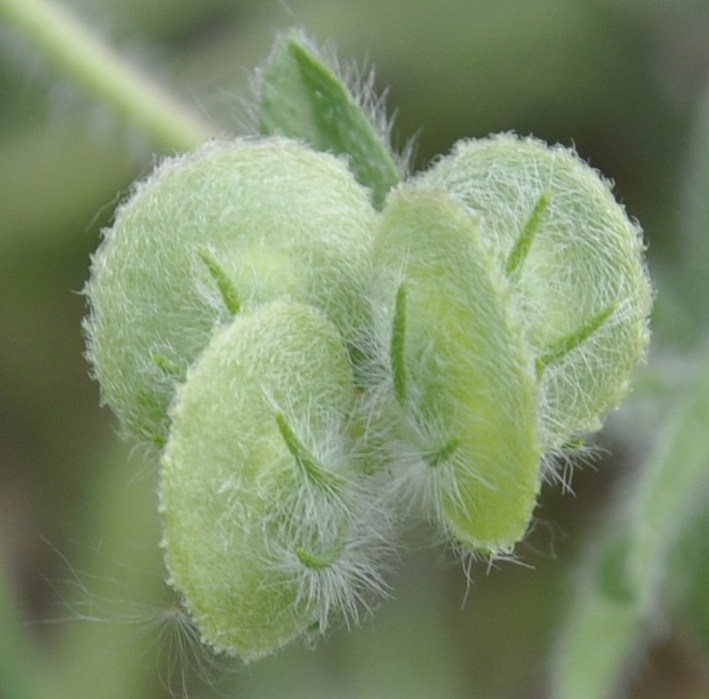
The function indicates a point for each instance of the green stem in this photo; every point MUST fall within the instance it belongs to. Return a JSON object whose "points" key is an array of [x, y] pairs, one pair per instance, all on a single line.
{"points": [[623, 578], [79, 52]]}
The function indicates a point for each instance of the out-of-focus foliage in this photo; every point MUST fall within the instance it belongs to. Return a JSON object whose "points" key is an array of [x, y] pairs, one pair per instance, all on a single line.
{"points": [[620, 588], [79, 533]]}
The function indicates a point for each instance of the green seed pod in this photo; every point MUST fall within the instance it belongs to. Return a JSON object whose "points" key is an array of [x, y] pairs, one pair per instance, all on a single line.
{"points": [[575, 262], [232, 225], [269, 527], [457, 371]]}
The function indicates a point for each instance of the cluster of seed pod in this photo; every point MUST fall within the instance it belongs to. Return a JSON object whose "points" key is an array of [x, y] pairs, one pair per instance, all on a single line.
{"points": [[308, 365]]}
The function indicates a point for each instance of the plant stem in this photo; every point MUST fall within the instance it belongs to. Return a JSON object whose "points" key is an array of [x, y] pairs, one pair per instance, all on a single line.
{"points": [[77, 50], [619, 589]]}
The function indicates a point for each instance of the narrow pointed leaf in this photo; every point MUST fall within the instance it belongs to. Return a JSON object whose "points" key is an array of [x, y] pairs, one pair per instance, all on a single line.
{"points": [[303, 98]]}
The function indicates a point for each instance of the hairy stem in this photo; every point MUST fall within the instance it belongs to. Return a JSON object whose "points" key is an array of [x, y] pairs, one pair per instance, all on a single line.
{"points": [[79, 52]]}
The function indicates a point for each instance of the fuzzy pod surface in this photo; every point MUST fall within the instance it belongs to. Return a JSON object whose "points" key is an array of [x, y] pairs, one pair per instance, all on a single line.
{"points": [[462, 380], [575, 262], [267, 533], [230, 226]]}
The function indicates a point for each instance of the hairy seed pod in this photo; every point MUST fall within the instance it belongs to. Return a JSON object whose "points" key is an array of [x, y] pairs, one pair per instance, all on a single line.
{"points": [[459, 375], [269, 527], [575, 262], [232, 225]]}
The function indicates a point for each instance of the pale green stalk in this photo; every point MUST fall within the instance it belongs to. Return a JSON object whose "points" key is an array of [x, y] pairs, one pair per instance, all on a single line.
{"points": [[618, 593], [79, 52]]}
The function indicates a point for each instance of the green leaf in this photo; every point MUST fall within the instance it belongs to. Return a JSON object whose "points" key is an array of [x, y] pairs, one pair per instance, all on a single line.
{"points": [[303, 98], [622, 578]]}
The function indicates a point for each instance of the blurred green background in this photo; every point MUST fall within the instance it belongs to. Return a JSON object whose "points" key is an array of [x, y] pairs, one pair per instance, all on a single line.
{"points": [[79, 532]]}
